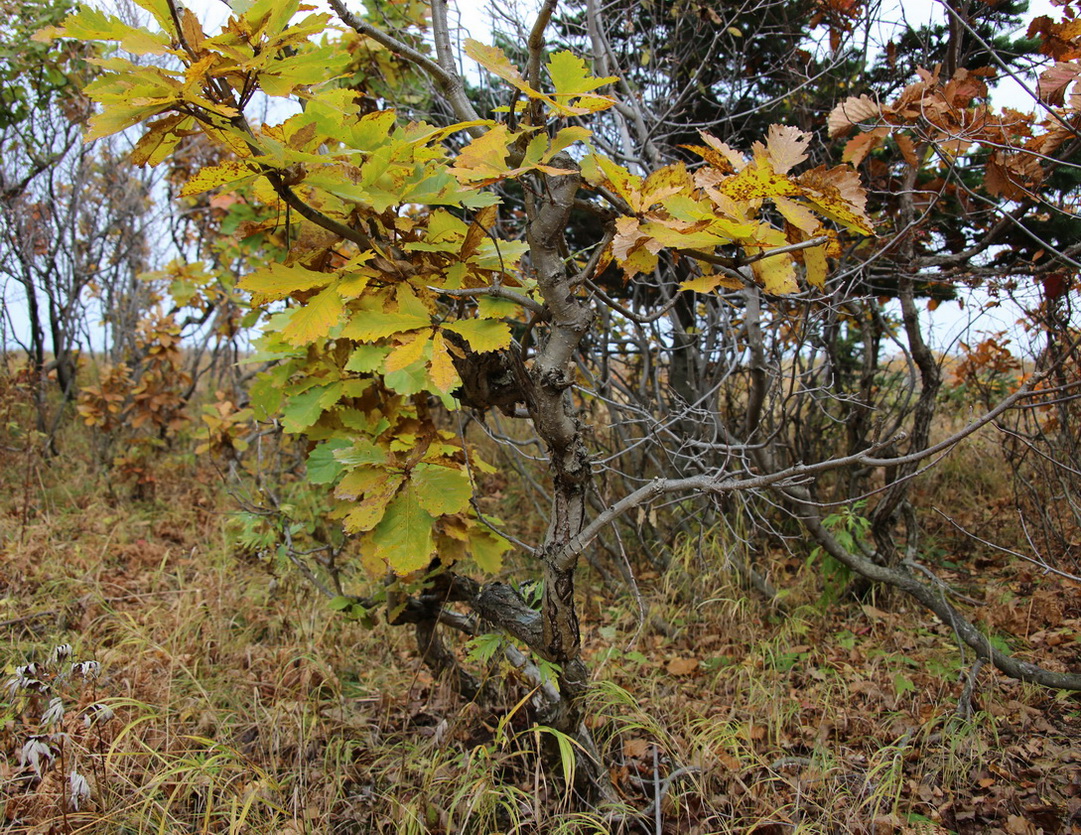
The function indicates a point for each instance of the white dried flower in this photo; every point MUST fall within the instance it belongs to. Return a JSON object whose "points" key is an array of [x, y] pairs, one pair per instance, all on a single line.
{"points": [[60, 654], [54, 712], [80, 790], [87, 669], [97, 712], [35, 753]]}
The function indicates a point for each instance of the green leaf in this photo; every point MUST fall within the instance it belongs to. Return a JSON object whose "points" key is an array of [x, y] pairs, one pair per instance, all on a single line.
{"points": [[305, 409], [410, 380], [404, 537], [323, 467], [441, 490], [482, 334], [361, 452], [367, 359], [370, 325]]}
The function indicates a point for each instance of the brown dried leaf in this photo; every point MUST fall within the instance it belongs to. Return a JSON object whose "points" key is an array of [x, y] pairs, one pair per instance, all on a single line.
{"points": [[786, 147], [851, 112]]}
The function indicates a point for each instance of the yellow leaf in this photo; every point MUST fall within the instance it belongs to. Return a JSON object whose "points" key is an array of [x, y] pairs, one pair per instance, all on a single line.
{"points": [[485, 157], [799, 216], [482, 334], [315, 319], [373, 506], [711, 281], [814, 260], [443, 373], [276, 281], [777, 274], [408, 352], [838, 194], [230, 171], [159, 140]]}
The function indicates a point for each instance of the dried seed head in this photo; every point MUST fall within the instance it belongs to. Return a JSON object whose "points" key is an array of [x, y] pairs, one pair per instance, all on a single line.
{"points": [[54, 712], [87, 669], [97, 712], [60, 654], [80, 790], [36, 753]]}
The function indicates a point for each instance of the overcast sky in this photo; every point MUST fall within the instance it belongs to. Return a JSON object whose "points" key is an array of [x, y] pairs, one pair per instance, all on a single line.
{"points": [[475, 20]]}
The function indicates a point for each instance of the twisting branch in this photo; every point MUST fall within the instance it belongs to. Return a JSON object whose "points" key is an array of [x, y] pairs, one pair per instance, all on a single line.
{"points": [[443, 71]]}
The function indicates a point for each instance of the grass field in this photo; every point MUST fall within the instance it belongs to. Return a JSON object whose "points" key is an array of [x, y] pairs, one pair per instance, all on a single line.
{"points": [[231, 699]]}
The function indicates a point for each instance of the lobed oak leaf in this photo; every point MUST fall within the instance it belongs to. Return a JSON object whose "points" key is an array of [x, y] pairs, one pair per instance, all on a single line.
{"points": [[571, 77], [711, 281], [733, 158], [484, 158], [1053, 81], [797, 214], [838, 194], [682, 666], [160, 139], [276, 281], [857, 148], [493, 59], [373, 507], [777, 274], [816, 266], [358, 482]]}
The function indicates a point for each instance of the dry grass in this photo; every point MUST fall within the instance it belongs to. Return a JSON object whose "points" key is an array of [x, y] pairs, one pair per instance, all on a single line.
{"points": [[242, 704]]}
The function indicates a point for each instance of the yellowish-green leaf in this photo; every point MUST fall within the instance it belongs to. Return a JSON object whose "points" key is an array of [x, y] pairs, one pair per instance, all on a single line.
{"points": [[482, 334], [442, 491], [488, 549], [160, 139], [493, 59], [485, 157], [91, 24], [315, 319], [370, 325], [276, 281], [374, 502], [404, 536], [571, 77], [359, 482]]}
